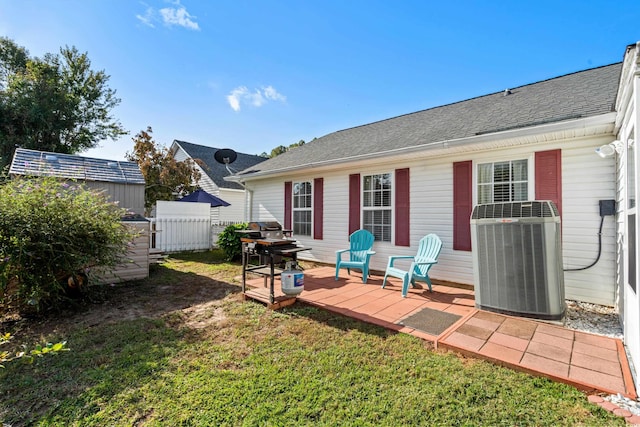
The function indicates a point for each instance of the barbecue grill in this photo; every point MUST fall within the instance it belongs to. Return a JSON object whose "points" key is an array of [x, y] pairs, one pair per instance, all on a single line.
{"points": [[269, 244]]}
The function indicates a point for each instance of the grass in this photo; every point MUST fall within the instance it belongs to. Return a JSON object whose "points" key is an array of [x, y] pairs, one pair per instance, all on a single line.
{"points": [[182, 348]]}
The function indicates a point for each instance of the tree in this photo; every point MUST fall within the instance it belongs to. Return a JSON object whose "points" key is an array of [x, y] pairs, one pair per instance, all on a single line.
{"points": [[165, 177], [54, 103], [13, 59], [281, 149]]}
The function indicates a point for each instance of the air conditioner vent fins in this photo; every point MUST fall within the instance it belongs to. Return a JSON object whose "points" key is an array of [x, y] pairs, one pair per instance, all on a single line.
{"points": [[532, 209]]}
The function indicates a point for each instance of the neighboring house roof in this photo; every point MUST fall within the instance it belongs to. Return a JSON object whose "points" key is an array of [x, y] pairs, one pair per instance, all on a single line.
{"points": [[578, 95], [69, 166], [217, 171]]}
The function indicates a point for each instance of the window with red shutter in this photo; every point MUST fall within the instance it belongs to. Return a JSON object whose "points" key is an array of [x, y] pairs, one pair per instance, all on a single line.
{"points": [[302, 208], [377, 205]]}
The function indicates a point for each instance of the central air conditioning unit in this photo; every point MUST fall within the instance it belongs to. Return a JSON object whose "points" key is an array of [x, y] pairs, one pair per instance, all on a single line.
{"points": [[517, 259]]}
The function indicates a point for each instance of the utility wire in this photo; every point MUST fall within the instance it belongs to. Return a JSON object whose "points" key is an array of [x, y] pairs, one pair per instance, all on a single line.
{"points": [[599, 250]]}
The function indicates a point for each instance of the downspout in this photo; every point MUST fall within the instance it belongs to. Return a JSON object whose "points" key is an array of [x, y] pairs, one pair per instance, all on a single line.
{"points": [[248, 203]]}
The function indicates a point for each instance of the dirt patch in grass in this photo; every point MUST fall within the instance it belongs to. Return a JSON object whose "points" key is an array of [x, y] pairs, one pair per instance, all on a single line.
{"points": [[186, 287]]}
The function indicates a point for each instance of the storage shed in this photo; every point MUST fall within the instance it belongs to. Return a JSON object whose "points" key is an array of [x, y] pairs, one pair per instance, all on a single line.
{"points": [[122, 181]]}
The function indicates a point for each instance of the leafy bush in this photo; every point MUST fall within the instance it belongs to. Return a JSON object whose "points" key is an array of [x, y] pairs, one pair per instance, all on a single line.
{"points": [[229, 241], [28, 355], [52, 234]]}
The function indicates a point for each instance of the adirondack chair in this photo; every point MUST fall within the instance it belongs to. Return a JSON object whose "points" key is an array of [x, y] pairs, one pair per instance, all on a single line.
{"points": [[360, 242], [428, 251]]}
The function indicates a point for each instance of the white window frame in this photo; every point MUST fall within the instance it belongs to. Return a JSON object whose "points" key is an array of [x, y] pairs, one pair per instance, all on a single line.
{"points": [[502, 159], [294, 209], [389, 208], [631, 210]]}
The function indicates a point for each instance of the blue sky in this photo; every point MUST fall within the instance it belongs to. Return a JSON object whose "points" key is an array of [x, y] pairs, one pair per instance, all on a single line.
{"points": [[252, 75]]}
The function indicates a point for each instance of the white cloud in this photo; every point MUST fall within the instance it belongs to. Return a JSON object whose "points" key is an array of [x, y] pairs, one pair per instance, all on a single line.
{"points": [[271, 93], [234, 97], [169, 16], [147, 18], [257, 98], [178, 16]]}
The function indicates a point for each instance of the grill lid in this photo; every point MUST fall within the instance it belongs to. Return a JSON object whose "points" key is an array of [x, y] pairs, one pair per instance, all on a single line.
{"points": [[265, 226]]}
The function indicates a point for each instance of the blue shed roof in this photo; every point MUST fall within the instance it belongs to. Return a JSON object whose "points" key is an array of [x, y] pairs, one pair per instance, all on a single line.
{"points": [[69, 166]]}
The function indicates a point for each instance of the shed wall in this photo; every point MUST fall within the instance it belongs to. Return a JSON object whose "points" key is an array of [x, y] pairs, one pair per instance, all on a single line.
{"points": [[135, 264], [128, 196]]}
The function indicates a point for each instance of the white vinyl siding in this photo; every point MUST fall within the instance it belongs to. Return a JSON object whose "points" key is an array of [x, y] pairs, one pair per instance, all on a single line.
{"points": [[586, 178]]}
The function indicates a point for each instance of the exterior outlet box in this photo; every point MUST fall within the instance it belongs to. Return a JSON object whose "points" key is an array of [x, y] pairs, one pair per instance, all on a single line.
{"points": [[607, 207]]}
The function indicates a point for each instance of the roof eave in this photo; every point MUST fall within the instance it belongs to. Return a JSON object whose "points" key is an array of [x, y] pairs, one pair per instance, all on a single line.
{"points": [[602, 119]]}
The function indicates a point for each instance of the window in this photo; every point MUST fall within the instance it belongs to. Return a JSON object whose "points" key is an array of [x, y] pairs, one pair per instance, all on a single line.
{"points": [[503, 181], [302, 213], [376, 206]]}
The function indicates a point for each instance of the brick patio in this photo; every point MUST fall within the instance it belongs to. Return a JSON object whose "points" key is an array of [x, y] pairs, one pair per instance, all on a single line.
{"points": [[587, 361]]}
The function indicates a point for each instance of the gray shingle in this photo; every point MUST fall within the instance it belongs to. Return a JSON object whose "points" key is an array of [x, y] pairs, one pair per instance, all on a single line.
{"points": [[41, 163], [215, 170], [578, 95]]}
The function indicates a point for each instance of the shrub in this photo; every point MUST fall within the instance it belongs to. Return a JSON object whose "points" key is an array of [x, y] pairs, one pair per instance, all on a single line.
{"points": [[52, 234], [28, 355], [229, 241]]}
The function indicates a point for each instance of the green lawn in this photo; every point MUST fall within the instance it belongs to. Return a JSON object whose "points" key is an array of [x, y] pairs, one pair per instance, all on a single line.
{"points": [[182, 348]]}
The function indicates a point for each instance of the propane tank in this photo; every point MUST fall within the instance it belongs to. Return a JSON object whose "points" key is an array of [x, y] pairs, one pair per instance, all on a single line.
{"points": [[292, 280]]}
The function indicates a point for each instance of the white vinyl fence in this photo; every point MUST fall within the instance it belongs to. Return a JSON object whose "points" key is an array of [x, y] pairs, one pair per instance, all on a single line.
{"points": [[181, 234], [184, 226], [181, 226]]}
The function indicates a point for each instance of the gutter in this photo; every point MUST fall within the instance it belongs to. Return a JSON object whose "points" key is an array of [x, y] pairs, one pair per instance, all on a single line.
{"points": [[607, 118]]}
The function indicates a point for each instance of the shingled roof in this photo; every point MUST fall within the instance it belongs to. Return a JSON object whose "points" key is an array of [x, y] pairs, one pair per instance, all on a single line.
{"points": [[215, 170], [578, 95], [69, 166]]}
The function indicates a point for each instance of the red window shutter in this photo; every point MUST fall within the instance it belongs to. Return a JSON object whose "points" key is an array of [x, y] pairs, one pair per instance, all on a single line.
{"points": [[402, 207], [287, 205], [354, 202], [318, 207], [549, 177], [462, 205]]}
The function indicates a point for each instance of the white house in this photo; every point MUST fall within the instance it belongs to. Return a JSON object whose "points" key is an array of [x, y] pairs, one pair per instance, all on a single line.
{"points": [[212, 178], [423, 172], [627, 125]]}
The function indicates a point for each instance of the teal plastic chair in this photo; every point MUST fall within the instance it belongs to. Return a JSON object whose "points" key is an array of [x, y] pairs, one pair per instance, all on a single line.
{"points": [[361, 242], [428, 251]]}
